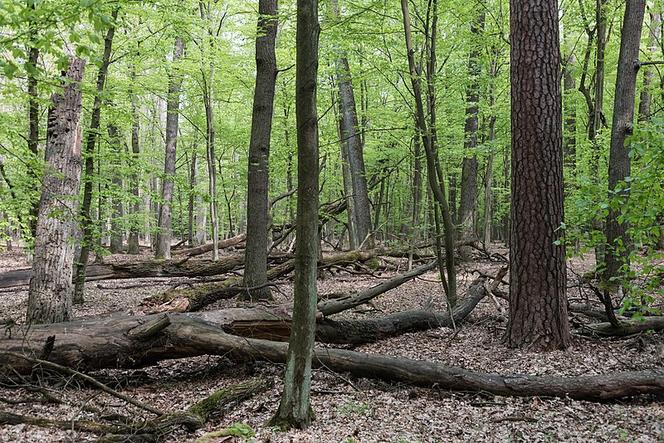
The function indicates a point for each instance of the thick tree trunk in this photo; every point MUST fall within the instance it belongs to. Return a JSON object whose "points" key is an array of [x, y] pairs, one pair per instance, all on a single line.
{"points": [[538, 306], [117, 235], [128, 342], [255, 274], [295, 405], [87, 224], [51, 288], [648, 72], [467, 208], [163, 243], [134, 229], [618, 244]]}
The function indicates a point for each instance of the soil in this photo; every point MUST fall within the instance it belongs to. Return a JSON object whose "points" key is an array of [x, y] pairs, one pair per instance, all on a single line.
{"points": [[359, 410]]}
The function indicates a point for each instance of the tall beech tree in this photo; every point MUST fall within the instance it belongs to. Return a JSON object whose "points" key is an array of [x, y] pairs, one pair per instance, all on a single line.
{"points": [[295, 405], [163, 243], [92, 135], [618, 246], [538, 304], [51, 288], [258, 220]]}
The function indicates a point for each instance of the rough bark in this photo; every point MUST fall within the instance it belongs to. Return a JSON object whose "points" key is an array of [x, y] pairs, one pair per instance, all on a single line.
{"points": [[258, 219], [295, 405], [51, 290], [538, 306], [618, 247], [467, 208], [181, 336], [87, 224], [163, 242]]}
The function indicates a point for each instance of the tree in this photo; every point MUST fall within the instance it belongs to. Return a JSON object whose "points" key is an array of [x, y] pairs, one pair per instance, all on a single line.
{"points": [[648, 72], [359, 206], [51, 288], [538, 306], [163, 243], [258, 220], [87, 224], [295, 405], [618, 246]]}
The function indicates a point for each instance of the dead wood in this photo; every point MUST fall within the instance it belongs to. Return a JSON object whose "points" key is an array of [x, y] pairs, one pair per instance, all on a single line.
{"points": [[626, 327], [223, 244], [186, 336]]}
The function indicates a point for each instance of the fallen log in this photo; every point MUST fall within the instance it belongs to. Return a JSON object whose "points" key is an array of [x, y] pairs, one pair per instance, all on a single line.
{"points": [[627, 327], [350, 301], [223, 244], [112, 346], [196, 297]]}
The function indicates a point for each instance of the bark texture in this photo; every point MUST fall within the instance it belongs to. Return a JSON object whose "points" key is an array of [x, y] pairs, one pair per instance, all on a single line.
{"points": [[163, 243], [618, 244], [295, 405], [51, 288], [255, 274], [538, 306]]}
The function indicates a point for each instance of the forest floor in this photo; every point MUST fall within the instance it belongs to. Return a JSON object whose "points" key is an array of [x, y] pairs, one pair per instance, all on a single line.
{"points": [[360, 410]]}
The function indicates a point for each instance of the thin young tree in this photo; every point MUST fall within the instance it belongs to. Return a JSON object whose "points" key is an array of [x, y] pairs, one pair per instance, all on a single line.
{"points": [[295, 406], [258, 219], [618, 245], [163, 243], [538, 305], [51, 288], [648, 71]]}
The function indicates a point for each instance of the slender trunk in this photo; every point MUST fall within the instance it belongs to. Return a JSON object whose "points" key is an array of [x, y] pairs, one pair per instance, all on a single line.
{"points": [[618, 247], [467, 208], [295, 406], [649, 72], [33, 115], [163, 243], [117, 208], [538, 303], [191, 204], [134, 229], [569, 85], [51, 287], [417, 197], [258, 219], [87, 224]]}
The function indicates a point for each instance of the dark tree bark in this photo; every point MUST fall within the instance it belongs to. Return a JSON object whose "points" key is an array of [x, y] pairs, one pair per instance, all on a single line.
{"points": [[538, 305], [352, 144], [163, 242], [33, 113], [649, 72], [258, 219], [51, 288], [132, 240], [468, 205], [597, 118], [434, 172], [295, 405], [618, 245], [87, 224], [569, 85], [117, 236]]}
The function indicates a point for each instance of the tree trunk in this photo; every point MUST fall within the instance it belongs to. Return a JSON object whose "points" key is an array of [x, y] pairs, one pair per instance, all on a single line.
{"points": [[134, 229], [191, 204], [467, 208], [87, 224], [33, 114], [538, 305], [163, 243], [255, 274], [51, 288], [569, 85], [618, 244], [295, 405], [648, 71], [211, 156], [115, 142], [351, 142], [434, 173]]}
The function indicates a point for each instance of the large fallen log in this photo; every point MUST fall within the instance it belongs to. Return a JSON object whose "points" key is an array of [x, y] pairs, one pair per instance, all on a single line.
{"points": [[196, 297], [223, 244], [128, 342], [627, 327]]}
